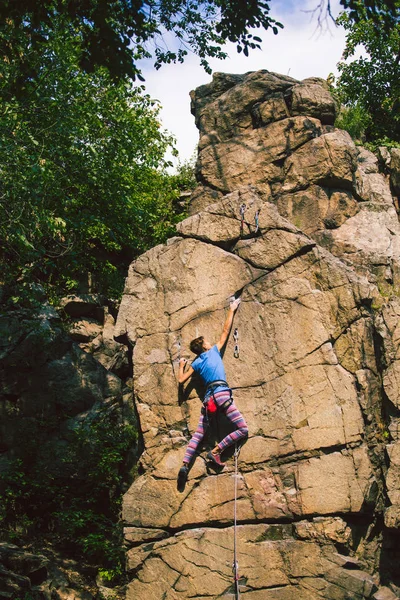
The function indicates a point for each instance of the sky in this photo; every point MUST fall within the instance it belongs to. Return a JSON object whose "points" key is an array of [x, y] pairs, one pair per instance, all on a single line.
{"points": [[300, 50]]}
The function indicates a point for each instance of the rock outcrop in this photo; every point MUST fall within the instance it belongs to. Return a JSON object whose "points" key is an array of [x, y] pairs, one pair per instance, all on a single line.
{"points": [[293, 217], [24, 574], [52, 383], [46, 376]]}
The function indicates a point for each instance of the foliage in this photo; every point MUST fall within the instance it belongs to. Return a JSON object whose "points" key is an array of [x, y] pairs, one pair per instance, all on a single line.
{"points": [[118, 34], [354, 119], [382, 142], [75, 494], [369, 87], [184, 179], [381, 13], [84, 187]]}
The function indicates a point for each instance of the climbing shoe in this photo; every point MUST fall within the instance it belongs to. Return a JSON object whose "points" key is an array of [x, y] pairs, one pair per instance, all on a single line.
{"points": [[216, 459], [182, 478]]}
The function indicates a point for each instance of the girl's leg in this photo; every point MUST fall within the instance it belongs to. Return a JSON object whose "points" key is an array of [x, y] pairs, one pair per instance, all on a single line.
{"points": [[241, 432], [194, 442]]}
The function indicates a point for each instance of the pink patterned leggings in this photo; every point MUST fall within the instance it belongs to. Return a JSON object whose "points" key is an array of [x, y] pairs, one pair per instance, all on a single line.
{"points": [[235, 417]]}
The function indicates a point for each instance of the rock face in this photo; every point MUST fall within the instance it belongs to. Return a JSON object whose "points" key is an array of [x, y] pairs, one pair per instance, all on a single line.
{"points": [[300, 223], [45, 375]]}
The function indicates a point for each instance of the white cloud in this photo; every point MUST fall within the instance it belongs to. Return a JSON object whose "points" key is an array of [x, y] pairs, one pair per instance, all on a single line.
{"points": [[299, 50]]}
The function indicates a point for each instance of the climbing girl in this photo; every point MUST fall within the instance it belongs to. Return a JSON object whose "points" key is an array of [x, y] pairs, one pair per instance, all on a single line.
{"points": [[209, 366]]}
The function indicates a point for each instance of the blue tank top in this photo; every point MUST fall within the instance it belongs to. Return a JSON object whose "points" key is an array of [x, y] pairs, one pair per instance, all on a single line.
{"points": [[210, 367]]}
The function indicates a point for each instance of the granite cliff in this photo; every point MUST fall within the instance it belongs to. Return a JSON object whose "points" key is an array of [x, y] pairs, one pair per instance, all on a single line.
{"points": [[303, 225]]}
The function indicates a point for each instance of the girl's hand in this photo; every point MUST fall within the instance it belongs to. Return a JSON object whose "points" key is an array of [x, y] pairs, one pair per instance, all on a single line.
{"points": [[235, 304]]}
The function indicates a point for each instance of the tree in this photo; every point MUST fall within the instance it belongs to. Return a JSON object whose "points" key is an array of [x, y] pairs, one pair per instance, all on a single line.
{"points": [[83, 187], [369, 87], [118, 33], [383, 14]]}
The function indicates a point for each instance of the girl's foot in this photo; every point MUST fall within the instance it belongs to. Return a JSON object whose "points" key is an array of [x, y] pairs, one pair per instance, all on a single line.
{"points": [[216, 459], [182, 478]]}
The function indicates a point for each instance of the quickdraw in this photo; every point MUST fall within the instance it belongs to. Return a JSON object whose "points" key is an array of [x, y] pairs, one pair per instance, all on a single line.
{"points": [[242, 211], [179, 348], [256, 220], [236, 340]]}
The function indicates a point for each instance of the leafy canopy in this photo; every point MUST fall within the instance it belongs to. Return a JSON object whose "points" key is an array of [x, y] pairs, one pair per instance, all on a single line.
{"points": [[381, 13], [118, 33], [82, 172], [369, 86]]}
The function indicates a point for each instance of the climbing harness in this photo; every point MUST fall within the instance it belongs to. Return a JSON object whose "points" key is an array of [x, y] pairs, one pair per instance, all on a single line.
{"points": [[242, 211], [236, 340], [235, 566], [256, 220], [210, 405], [213, 386]]}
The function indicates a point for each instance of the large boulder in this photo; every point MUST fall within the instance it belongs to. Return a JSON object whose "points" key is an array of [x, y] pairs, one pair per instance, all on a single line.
{"points": [[40, 577], [306, 454], [293, 217]]}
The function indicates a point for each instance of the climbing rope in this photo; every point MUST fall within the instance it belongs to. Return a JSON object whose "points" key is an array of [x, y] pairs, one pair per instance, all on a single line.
{"points": [[242, 211], [235, 566]]}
